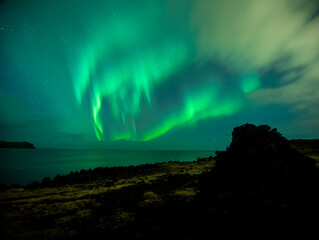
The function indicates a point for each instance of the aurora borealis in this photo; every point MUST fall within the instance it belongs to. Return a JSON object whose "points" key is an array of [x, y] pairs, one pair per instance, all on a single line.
{"points": [[156, 74]]}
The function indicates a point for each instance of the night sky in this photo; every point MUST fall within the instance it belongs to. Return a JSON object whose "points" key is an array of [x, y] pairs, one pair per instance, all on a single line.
{"points": [[156, 74]]}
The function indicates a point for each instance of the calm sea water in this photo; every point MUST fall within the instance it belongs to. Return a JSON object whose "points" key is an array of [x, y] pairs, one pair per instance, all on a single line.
{"points": [[23, 166]]}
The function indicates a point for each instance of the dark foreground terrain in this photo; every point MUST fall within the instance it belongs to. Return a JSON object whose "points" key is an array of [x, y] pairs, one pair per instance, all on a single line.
{"points": [[258, 188]]}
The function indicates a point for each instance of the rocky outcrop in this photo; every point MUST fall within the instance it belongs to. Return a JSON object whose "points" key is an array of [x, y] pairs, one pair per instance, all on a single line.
{"points": [[261, 150], [260, 187], [259, 157]]}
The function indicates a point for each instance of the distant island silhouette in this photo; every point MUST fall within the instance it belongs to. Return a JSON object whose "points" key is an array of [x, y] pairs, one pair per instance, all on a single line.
{"points": [[5, 144]]}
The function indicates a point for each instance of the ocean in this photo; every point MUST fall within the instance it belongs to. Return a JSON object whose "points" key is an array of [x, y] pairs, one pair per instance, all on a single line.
{"points": [[24, 166]]}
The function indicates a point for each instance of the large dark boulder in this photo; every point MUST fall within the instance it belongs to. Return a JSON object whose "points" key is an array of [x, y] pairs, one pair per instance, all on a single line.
{"points": [[262, 150], [259, 158], [260, 187]]}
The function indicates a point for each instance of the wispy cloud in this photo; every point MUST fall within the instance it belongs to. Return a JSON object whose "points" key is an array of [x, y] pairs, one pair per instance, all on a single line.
{"points": [[253, 35]]}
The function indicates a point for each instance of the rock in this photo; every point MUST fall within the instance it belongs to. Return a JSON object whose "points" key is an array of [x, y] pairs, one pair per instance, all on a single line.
{"points": [[261, 186], [46, 182], [260, 149], [258, 158]]}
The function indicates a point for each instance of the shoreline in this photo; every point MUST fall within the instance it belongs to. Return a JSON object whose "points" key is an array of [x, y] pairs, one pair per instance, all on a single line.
{"points": [[195, 167], [23, 168], [50, 206]]}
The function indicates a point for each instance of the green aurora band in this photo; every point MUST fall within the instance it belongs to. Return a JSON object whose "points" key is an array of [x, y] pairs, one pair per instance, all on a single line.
{"points": [[124, 62]]}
